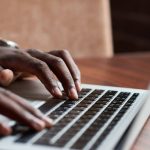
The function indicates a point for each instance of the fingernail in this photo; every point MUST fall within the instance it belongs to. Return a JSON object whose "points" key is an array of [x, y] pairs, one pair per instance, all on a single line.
{"points": [[73, 93], [38, 125], [78, 85], [48, 121], [56, 91]]}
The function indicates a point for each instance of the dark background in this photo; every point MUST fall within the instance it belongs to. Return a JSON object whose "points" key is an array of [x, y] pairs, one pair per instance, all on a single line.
{"points": [[131, 25]]}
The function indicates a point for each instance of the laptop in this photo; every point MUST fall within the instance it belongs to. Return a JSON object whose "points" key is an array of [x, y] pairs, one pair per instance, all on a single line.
{"points": [[96, 121]]}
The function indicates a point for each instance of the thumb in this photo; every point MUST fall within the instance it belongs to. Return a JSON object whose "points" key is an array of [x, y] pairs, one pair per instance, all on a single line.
{"points": [[6, 76]]}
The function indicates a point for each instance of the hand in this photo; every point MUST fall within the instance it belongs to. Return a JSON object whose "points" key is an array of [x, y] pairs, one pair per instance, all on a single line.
{"points": [[20, 110], [45, 66]]}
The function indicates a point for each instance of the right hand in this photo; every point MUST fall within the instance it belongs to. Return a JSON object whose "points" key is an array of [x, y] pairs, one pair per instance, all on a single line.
{"points": [[17, 108]]}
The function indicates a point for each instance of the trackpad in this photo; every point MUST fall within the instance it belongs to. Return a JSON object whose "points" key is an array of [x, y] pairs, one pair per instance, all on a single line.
{"points": [[32, 89]]}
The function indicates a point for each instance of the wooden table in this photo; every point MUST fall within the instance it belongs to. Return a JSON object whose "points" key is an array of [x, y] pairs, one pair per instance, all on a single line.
{"points": [[129, 70]]}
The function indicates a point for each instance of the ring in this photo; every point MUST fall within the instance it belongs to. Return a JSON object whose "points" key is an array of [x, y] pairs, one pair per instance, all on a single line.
{"points": [[8, 43]]}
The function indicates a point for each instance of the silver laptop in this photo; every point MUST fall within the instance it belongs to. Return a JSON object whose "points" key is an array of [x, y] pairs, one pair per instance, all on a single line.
{"points": [[97, 120]]}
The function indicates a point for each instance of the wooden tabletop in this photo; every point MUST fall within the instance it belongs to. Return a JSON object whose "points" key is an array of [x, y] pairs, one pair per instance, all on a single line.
{"points": [[129, 70]]}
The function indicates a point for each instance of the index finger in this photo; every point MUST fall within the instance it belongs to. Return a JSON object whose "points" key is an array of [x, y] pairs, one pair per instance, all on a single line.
{"points": [[73, 68]]}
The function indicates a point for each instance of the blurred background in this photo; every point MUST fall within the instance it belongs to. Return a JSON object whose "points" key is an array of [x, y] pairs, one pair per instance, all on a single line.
{"points": [[88, 28]]}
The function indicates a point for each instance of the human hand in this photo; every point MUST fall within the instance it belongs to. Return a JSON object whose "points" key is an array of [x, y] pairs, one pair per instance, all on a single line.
{"points": [[45, 66], [16, 108]]}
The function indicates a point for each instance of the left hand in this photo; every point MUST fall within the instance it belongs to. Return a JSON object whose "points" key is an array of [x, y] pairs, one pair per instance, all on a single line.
{"points": [[64, 68]]}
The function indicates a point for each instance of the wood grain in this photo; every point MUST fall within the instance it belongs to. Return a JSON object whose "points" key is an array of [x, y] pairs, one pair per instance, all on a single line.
{"points": [[130, 70]]}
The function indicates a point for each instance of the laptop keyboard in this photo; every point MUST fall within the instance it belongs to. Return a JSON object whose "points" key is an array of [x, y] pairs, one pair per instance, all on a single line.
{"points": [[82, 123]]}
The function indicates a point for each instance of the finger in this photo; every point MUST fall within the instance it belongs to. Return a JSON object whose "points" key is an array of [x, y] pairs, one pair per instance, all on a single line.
{"points": [[42, 71], [23, 62], [12, 110], [60, 69], [6, 76], [23, 103], [75, 72], [5, 129]]}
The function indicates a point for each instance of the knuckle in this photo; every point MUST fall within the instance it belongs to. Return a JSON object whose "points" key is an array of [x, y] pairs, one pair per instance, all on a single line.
{"points": [[64, 52], [33, 51], [40, 65], [58, 61], [19, 53]]}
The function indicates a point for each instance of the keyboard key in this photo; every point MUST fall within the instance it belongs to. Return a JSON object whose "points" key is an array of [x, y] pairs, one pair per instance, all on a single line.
{"points": [[26, 136], [48, 105], [72, 114], [85, 90], [99, 122], [97, 100], [114, 122]]}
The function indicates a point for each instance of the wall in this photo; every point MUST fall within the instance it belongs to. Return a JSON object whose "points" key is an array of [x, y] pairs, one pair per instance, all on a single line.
{"points": [[131, 25], [58, 24]]}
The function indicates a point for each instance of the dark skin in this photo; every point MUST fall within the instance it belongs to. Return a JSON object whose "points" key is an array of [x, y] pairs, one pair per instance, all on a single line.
{"points": [[45, 66]]}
